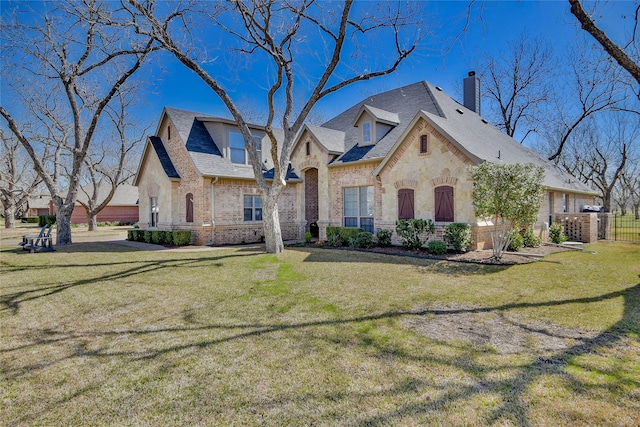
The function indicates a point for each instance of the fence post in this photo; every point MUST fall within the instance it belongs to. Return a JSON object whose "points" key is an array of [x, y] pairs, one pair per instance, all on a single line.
{"points": [[615, 226]]}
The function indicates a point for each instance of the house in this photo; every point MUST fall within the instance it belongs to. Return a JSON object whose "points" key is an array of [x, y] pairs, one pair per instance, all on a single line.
{"points": [[404, 153], [123, 206], [39, 204], [194, 174]]}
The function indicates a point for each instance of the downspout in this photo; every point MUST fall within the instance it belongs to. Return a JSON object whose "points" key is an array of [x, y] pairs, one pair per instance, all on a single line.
{"points": [[213, 204]]}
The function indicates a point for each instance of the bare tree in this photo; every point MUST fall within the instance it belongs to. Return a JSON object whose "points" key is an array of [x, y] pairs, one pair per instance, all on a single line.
{"points": [[82, 63], [108, 165], [624, 56], [279, 33], [593, 88], [599, 153], [630, 186], [518, 85], [17, 180]]}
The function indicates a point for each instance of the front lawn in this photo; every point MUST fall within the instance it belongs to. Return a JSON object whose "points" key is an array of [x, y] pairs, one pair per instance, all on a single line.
{"points": [[101, 334]]}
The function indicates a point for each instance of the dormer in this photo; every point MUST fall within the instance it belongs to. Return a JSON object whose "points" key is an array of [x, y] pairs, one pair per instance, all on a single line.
{"points": [[374, 124]]}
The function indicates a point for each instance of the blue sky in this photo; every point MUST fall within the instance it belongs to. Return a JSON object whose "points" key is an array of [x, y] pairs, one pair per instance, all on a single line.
{"points": [[489, 31]]}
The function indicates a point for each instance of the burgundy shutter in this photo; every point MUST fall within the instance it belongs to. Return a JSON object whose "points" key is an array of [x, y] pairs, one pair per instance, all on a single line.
{"points": [[405, 204], [444, 204]]}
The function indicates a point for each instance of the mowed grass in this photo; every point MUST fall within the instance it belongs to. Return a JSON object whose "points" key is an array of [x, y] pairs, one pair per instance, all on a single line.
{"points": [[100, 334]]}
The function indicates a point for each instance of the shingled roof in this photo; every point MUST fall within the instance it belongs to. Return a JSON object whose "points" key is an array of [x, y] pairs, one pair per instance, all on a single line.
{"points": [[474, 136]]}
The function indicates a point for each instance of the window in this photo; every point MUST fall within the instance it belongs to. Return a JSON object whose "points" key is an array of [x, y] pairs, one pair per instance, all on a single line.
{"points": [[236, 148], [252, 208], [424, 144], [237, 151], [444, 203], [189, 202], [153, 203], [169, 132], [566, 203], [366, 132], [358, 207], [405, 204], [308, 148]]}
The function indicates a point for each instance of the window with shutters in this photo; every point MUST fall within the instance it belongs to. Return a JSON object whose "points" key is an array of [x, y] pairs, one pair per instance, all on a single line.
{"points": [[189, 202], [444, 204], [405, 204], [358, 207]]}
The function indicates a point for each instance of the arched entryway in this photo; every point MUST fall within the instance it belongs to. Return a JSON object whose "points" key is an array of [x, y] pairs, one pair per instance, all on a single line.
{"points": [[311, 200]]}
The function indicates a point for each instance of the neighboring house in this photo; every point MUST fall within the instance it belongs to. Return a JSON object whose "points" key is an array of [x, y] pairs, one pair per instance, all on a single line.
{"points": [[40, 204], [404, 153], [123, 206]]}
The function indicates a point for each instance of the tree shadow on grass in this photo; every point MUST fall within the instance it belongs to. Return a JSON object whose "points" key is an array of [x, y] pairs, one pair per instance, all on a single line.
{"points": [[424, 264], [512, 406], [12, 301]]}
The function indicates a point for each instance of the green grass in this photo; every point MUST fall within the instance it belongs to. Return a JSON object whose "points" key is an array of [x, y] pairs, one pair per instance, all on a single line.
{"points": [[100, 334]]}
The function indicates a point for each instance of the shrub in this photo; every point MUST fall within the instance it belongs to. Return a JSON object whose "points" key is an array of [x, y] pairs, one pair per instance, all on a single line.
{"points": [[335, 240], [157, 237], [307, 237], [530, 239], [130, 235], [331, 231], [437, 247], [384, 237], [458, 235], [46, 220], [34, 220], [168, 237], [147, 236], [138, 235], [362, 239], [181, 237], [517, 242], [555, 233], [410, 231]]}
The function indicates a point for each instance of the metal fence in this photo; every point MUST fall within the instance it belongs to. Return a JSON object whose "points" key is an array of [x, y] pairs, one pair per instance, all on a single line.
{"points": [[625, 228]]}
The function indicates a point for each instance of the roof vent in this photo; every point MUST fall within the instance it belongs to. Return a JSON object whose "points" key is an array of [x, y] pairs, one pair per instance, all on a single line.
{"points": [[484, 121], [439, 88], [459, 111]]}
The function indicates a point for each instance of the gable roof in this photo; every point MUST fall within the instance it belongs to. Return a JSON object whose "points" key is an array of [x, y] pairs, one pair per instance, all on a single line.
{"points": [[474, 136], [331, 140], [379, 115], [205, 153], [164, 158]]}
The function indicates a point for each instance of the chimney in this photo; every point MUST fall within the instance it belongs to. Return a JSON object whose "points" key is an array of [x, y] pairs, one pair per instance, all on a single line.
{"points": [[471, 90]]}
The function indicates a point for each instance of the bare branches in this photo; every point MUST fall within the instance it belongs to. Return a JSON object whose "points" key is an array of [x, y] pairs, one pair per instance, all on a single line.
{"points": [[621, 57]]}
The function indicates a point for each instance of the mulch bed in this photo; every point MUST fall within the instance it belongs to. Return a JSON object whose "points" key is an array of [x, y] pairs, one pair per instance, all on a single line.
{"points": [[524, 256]]}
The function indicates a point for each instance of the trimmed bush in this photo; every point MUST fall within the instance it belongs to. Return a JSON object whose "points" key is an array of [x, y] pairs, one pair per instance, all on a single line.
{"points": [[46, 220], [130, 235], [335, 240], [157, 237], [34, 220], [517, 241], [530, 239], [331, 231], [307, 237], [147, 236], [168, 237], [384, 237], [458, 236], [437, 247], [181, 237], [555, 233], [362, 239], [410, 231]]}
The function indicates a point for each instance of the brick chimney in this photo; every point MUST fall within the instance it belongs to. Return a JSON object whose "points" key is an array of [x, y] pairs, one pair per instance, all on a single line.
{"points": [[471, 92]]}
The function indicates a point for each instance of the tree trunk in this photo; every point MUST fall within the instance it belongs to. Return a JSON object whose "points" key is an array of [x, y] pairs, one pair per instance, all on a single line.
{"points": [[271, 225], [63, 224], [636, 211], [10, 216], [93, 222]]}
